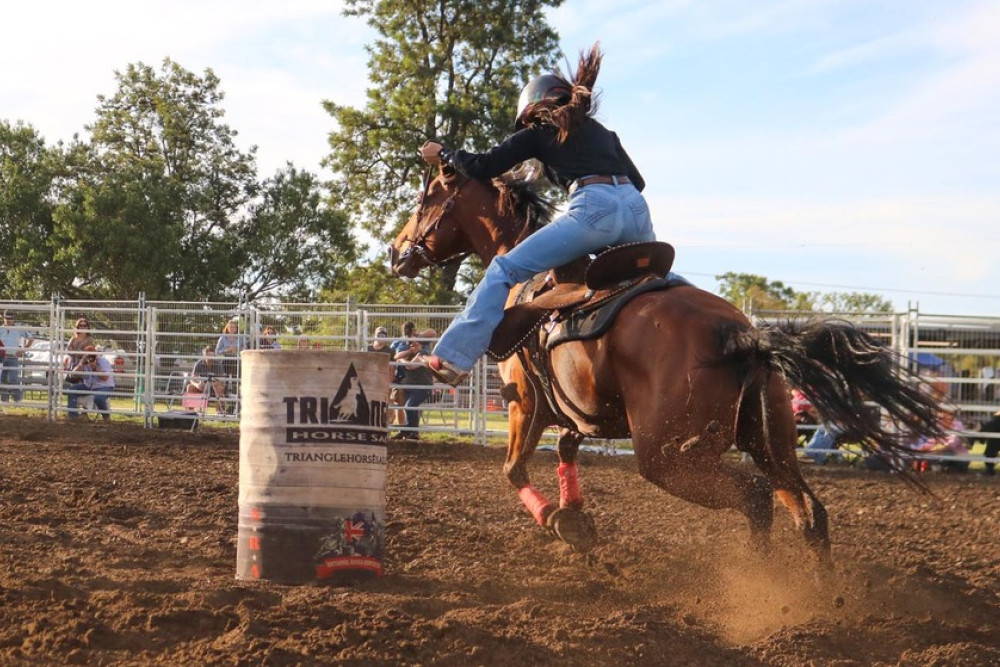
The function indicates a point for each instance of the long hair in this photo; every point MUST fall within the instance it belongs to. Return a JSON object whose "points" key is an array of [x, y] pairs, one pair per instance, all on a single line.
{"points": [[567, 115]]}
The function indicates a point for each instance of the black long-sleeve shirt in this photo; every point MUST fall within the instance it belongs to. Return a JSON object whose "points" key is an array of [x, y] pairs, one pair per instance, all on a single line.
{"points": [[591, 149]]}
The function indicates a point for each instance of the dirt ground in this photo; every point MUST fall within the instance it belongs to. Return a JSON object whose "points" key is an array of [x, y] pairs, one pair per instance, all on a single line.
{"points": [[118, 546]]}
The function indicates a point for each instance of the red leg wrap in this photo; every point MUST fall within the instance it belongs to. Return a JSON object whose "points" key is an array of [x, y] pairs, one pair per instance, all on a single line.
{"points": [[535, 502], [569, 486]]}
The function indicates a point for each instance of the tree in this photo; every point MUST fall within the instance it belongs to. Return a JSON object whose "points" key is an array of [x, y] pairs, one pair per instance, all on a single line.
{"points": [[448, 70], [162, 202], [152, 210], [29, 173], [292, 244], [743, 289], [853, 302], [747, 289]]}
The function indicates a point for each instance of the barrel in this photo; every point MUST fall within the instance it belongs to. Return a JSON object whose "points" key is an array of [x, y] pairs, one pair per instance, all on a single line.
{"points": [[312, 465]]}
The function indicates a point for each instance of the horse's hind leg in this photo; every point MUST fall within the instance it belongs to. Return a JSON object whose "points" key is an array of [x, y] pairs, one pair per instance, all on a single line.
{"points": [[807, 511], [693, 471]]}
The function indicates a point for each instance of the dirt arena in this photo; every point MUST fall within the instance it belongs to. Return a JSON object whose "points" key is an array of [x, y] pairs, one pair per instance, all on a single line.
{"points": [[118, 546]]}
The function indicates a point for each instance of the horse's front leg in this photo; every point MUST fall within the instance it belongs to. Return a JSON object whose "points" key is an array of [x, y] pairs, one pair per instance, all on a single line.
{"points": [[569, 480], [524, 432], [570, 523]]}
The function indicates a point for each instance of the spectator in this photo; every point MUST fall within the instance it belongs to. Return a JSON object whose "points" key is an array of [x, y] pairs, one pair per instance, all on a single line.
{"points": [[381, 342], [804, 413], [13, 341], [829, 436], [397, 396], [990, 430], [75, 347], [96, 378], [824, 438], [229, 346], [953, 444], [987, 389], [206, 375], [269, 339], [417, 379]]}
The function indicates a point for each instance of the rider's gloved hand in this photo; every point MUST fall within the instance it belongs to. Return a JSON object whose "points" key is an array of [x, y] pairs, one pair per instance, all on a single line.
{"points": [[431, 152]]}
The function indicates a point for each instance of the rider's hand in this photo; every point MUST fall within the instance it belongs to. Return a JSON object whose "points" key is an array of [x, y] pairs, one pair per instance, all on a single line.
{"points": [[431, 152]]}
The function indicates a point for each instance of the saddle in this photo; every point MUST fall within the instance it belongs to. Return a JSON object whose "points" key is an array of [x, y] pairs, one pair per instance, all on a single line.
{"points": [[577, 310]]}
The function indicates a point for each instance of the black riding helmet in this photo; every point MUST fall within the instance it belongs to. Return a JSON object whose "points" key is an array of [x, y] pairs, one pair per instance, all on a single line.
{"points": [[543, 87]]}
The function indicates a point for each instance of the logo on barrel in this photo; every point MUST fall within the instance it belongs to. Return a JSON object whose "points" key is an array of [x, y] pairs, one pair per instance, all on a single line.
{"points": [[357, 544], [352, 417]]}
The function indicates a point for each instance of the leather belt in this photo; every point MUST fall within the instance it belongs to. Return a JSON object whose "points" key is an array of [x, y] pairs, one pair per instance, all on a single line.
{"points": [[595, 180]]}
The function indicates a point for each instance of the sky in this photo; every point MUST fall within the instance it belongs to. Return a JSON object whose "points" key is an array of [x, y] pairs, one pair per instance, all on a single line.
{"points": [[832, 145]]}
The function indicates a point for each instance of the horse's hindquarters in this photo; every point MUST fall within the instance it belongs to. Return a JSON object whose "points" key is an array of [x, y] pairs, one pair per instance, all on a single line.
{"points": [[652, 374]]}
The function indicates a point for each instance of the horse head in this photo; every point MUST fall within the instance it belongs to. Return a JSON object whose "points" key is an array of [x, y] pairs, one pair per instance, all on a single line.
{"points": [[433, 234], [457, 216]]}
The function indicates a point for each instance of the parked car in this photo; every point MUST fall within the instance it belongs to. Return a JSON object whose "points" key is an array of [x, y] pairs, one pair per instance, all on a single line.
{"points": [[124, 367]]}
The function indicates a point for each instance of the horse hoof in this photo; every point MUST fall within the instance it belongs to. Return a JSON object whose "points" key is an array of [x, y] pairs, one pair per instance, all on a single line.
{"points": [[573, 527]]}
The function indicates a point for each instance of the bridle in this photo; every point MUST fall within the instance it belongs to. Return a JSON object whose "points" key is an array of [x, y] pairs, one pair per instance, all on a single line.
{"points": [[418, 242]]}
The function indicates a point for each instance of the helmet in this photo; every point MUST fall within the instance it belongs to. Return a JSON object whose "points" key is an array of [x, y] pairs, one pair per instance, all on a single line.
{"points": [[544, 87]]}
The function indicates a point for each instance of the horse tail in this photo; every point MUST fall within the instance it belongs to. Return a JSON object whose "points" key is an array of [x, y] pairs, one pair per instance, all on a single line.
{"points": [[839, 367]]}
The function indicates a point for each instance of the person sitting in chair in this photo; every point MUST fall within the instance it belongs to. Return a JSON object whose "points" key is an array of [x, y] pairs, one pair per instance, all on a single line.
{"points": [[205, 376], [952, 444]]}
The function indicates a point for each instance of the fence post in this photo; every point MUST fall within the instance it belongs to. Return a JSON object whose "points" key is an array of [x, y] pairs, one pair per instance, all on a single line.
{"points": [[149, 372], [54, 345]]}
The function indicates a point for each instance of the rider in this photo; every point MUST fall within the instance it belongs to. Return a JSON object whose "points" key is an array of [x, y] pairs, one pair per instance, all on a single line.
{"points": [[554, 125]]}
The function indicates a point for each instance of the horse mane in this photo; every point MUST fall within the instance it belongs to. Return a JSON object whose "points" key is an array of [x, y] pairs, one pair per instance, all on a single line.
{"points": [[521, 197]]}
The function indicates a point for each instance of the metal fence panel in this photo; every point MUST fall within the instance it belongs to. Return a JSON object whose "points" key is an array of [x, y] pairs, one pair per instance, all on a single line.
{"points": [[153, 347]]}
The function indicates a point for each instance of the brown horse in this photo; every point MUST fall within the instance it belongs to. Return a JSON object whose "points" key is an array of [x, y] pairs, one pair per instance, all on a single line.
{"points": [[681, 372]]}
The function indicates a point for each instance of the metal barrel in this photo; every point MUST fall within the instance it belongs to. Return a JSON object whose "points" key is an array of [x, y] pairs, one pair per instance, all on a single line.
{"points": [[312, 465]]}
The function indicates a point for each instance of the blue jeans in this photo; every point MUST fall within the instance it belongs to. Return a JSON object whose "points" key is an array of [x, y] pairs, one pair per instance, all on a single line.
{"points": [[825, 437], [10, 378], [414, 397], [75, 392], [598, 216]]}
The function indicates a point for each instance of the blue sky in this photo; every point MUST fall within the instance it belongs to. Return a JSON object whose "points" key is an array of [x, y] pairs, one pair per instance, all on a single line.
{"points": [[845, 145]]}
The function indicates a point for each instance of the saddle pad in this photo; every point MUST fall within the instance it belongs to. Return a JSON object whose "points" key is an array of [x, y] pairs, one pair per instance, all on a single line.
{"points": [[593, 322]]}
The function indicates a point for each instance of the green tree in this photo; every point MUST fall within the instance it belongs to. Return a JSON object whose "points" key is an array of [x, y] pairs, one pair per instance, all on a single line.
{"points": [[743, 289], [29, 181], [448, 70], [292, 244], [156, 207], [853, 302]]}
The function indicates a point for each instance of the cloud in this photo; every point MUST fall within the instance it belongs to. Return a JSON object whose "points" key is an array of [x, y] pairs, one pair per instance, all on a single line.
{"points": [[276, 63]]}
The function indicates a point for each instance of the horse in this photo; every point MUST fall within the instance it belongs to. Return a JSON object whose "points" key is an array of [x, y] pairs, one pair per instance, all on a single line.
{"points": [[681, 372]]}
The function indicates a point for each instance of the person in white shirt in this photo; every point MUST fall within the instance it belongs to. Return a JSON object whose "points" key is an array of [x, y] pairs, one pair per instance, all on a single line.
{"points": [[14, 339], [96, 378]]}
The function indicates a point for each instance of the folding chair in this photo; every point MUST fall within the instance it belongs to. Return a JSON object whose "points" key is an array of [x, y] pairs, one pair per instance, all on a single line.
{"points": [[193, 406]]}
